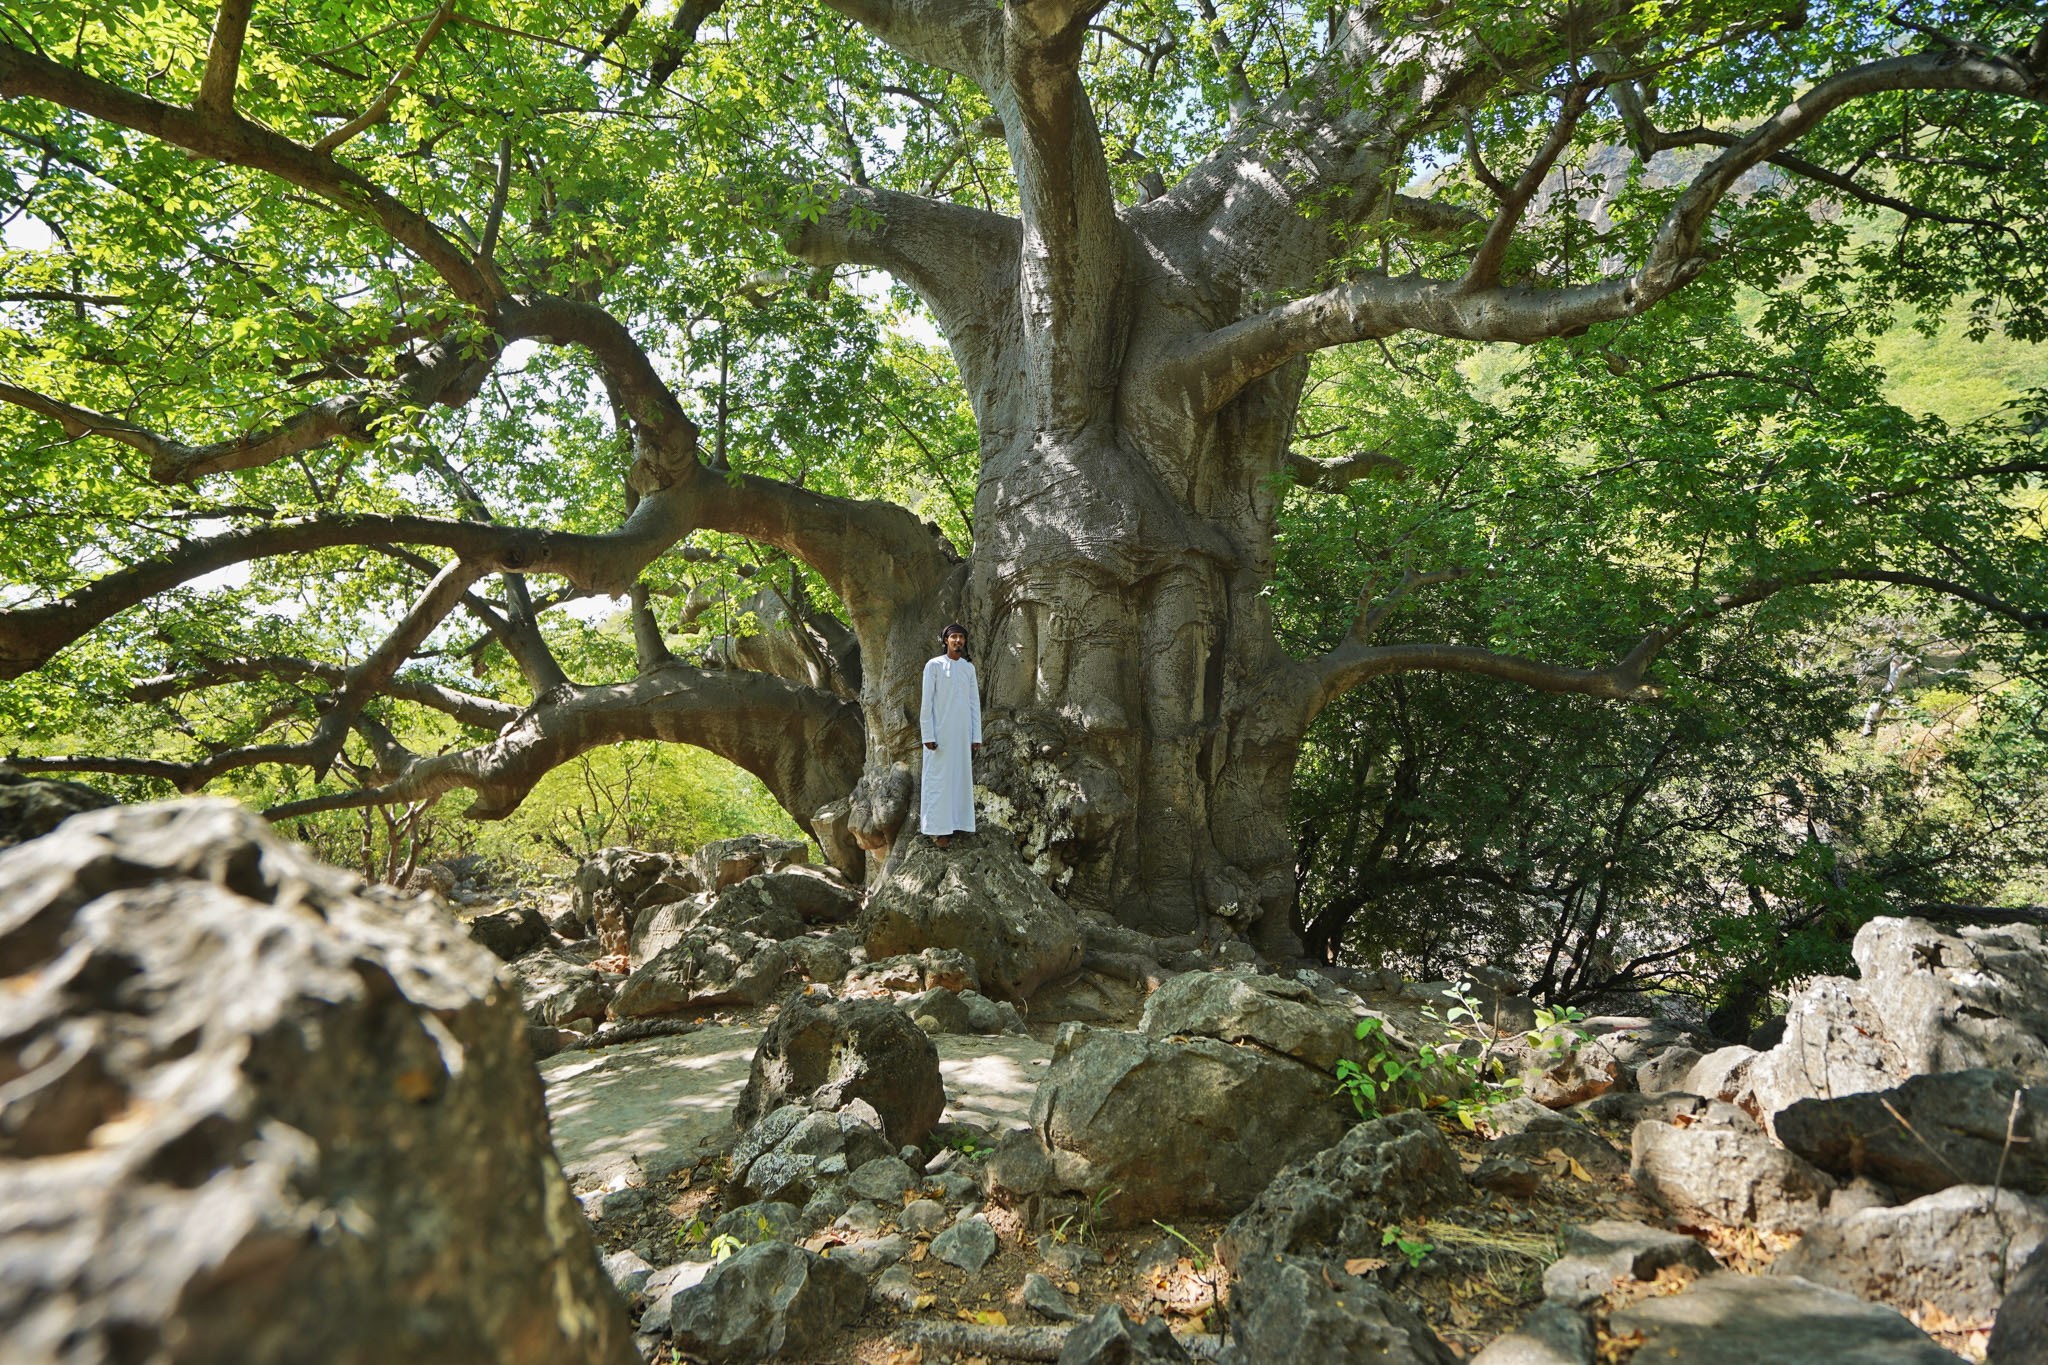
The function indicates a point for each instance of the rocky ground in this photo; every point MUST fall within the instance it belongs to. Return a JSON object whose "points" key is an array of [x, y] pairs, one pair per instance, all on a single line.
{"points": [[1156, 1132], [967, 1123]]}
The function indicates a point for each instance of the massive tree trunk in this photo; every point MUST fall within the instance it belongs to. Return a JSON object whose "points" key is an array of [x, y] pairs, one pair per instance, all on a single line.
{"points": [[1135, 374]]}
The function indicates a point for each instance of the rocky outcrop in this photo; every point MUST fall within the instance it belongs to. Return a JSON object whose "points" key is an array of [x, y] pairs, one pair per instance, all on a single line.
{"points": [[31, 807], [1958, 1250], [705, 968], [1963, 1128], [1928, 1001], [1337, 1202], [617, 884], [257, 1114], [1731, 1319], [826, 1054], [727, 862], [1602, 1255], [980, 898]]}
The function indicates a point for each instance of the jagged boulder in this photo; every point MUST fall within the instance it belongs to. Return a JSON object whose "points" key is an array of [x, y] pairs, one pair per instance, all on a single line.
{"points": [[824, 1054], [556, 990], [1958, 1250], [1337, 1202], [1974, 1127], [1112, 1338], [616, 884], [1600, 1255], [31, 807], [2020, 1335], [1726, 1176], [1929, 1000], [1285, 1016], [1175, 1126], [1289, 1310], [980, 898], [727, 862], [258, 1114], [771, 1300], [705, 968], [510, 933], [793, 1153]]}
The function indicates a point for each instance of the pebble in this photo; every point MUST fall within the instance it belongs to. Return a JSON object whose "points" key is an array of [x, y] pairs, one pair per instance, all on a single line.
{"points": [[862, 1220], [873, 1253], [898, 1288]]}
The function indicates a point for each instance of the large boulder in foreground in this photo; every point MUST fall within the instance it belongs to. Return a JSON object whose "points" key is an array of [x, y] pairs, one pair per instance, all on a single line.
{"points": [[977, 896], [1284, 1016], [826, 1054], [1175, 1127], [258, 1116]]}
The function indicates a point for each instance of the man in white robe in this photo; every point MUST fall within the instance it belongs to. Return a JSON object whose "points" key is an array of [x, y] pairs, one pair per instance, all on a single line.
{"points": [[950, 719]]}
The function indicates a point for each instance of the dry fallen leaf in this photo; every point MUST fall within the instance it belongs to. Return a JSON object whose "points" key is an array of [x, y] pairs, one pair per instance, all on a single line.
{"points": [[1579, 1173], [987, 1317], [1363, 1265], [920, 1251]]}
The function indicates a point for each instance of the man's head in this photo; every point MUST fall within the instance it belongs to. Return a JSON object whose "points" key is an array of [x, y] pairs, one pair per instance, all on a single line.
{"points": [[954, 637]]}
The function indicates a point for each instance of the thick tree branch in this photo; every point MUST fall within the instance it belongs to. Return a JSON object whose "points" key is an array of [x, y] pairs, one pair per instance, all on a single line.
{"points": [[804, 744], [961, 261], [1336, 475], [1071, 281], [224, 57], [960, 36], [1221, 364], [1484, 272]]}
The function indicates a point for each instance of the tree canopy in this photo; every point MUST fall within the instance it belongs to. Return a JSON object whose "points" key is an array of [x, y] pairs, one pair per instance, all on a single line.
{"points": [[345, 348]]}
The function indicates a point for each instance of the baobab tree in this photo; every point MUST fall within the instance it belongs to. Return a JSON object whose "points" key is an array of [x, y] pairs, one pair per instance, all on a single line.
{"points": [[1134, 228]]}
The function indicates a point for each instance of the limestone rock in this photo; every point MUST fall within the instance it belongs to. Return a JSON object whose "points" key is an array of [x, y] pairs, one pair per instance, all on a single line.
{"points": [[1958, 1250], [1552, 1335], [1603, 1254], [1241, 1006], [1179, 1128], [31, 807], [1558, 1082], [1960, 999], [822, 958], [1111, 1338], [1732, 1319], [1336, 1202], [981, 899], [1834, 1044], [1723, 1074], [727, 862], [557, 990], [1718, 1175], [827, 1054], [259, 1115], [1668, 1070], [1047, 1299], [616, 884], [770, 1300], [706, 967], [793, 1153], [1293, 1311], [510, 933], [662, 926], [1929, 1133], [816, 894]]}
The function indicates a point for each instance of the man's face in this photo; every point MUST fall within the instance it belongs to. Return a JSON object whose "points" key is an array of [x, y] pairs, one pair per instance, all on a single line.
{"points": [[955, 642]]}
